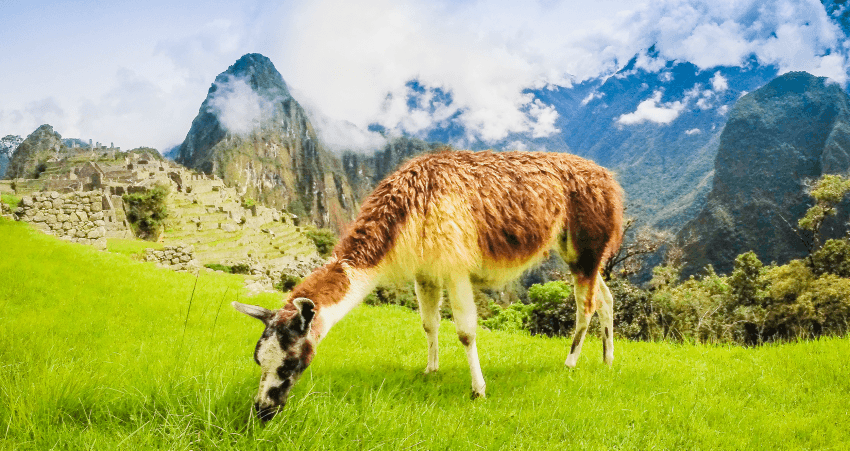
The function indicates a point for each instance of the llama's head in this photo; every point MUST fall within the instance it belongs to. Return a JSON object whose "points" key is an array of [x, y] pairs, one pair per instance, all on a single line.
{"points": [[283, 352]]}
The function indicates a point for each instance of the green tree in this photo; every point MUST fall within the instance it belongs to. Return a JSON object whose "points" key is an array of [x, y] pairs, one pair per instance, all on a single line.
{"points": [[554, 308], [146, 211], [746, 281], [832, 258], [827, 192], [324, 239]]}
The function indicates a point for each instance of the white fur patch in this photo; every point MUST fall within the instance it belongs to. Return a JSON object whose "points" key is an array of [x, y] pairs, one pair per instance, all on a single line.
{"points": [[361, 283], [270, 356]]}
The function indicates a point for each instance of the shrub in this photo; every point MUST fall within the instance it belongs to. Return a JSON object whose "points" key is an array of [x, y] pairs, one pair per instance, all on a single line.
{"points": [[324, 239], [513, 318], [287, 282], [554, 309], [219, 267], [247, 202], [829, 297], [240, 268], [696, 309], [832, 258], [746, 281], [635, 317], [392, 294], [800, 304], [146, 211]]}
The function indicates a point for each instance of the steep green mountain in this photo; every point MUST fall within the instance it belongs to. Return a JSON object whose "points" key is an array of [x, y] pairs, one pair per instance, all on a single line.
{"points": [[255, 136], [8, 144], [28, 159], [779, 137]]}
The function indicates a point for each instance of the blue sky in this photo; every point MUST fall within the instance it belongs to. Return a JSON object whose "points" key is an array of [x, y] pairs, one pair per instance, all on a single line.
{"points": [[135, 73]]}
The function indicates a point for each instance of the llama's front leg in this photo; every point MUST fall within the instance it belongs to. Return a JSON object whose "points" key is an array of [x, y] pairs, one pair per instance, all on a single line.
{"points": [[606, 319], [466, 321], [585, 289], [429, 294]]}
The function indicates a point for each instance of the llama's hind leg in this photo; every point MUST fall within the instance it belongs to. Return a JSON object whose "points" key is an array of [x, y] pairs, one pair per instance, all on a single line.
{"points": [[429, 294], [585, 291], [466, 320], [606, 320]]}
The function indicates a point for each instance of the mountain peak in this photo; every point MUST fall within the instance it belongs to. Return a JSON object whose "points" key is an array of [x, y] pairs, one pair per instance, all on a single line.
{"points": [[259, 73]]}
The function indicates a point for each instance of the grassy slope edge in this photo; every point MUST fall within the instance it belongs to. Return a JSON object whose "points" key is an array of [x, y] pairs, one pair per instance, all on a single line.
{"points": [[96, 352]]}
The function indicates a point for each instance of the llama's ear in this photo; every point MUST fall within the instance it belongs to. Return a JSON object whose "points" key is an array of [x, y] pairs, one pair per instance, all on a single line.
{"points": [[306, 311], [254, 311]]}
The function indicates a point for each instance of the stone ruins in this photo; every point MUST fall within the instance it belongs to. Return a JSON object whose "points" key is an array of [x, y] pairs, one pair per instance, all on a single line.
{"points": [[81, 217], [80, 199]]}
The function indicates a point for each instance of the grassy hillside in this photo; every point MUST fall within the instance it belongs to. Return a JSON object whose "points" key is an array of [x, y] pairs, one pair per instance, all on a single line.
{"points": [[97, 352]]}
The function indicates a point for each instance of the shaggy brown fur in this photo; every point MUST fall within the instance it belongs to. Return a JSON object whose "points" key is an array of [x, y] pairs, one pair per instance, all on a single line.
{"points": [[513, 197], [325, 286]]}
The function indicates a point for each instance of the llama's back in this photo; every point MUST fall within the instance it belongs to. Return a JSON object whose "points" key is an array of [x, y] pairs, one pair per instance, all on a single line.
{"points": [[489, 214]]}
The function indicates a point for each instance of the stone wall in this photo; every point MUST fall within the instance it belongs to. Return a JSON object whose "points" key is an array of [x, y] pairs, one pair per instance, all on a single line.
{"points": [[81, 217], [178, 258]]}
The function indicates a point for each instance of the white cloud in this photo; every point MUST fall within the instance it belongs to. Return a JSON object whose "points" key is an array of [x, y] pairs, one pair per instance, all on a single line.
{"points": [[719, 82], [651, 110], [346, 56], [239, 109], [590, 97], [340, 135], [543, 119], [693, 131], [517, 145]]}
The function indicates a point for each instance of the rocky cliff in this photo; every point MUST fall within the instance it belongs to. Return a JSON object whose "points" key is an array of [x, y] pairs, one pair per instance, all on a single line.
{"points": [[779, 137], [255, 136], [27, 161]]}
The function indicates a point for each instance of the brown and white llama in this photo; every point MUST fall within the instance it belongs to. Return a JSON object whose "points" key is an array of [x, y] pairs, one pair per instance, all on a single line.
{"points": [[453, 220]]}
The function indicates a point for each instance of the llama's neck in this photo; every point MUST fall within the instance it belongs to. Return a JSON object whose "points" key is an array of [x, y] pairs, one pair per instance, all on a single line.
{"points": [[360, 283]]}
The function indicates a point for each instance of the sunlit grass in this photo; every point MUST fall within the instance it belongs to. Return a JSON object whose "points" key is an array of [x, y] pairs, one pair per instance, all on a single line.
{"points": [[97, 351], [131, 247], [11, 200]]}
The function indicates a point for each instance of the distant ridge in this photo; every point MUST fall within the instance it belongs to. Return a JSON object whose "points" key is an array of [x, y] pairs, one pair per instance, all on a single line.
{"points": [[792, 130]]}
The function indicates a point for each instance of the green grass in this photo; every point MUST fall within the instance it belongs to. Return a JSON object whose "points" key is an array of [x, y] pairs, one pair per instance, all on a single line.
{"points": [[10, 200], [130, 247], [97, 352]]}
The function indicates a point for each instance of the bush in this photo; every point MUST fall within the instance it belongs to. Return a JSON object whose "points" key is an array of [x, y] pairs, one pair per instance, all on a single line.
{"points": [[146, 211], [635, 317], [219, 267], [554, 309], [513, 318], [247, 202], [240, 268], [746, 281], [802, 305], [287, 282], [324, 239], [391, 294], [832, 258], [696, 309]]}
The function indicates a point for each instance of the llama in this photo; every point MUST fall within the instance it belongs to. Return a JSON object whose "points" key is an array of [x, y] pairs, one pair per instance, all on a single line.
{"points": [[453, 220]]}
